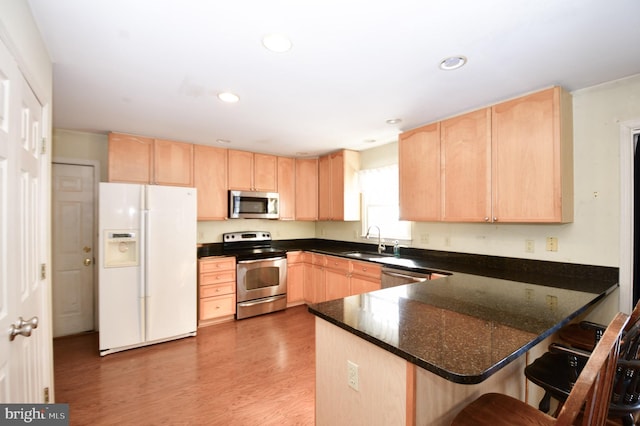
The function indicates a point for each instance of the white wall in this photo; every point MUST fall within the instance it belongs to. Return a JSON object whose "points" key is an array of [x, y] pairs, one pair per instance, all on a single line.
{"points": [[592, 238], [82, 145]]}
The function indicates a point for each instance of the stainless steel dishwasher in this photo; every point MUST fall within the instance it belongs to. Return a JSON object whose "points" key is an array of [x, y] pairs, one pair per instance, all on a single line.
{"points": [[393, 277]]}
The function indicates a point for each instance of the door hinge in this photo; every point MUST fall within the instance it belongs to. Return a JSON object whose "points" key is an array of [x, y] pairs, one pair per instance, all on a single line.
{"points": [[43, 271], [43, 147], [46, 395]]}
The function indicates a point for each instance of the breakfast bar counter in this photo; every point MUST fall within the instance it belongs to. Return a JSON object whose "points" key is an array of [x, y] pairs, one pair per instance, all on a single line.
{"points": [[422, 350], [461, 327]]}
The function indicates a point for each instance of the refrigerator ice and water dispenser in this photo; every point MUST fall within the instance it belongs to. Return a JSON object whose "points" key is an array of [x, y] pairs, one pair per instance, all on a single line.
{"points": [[121, 248]]}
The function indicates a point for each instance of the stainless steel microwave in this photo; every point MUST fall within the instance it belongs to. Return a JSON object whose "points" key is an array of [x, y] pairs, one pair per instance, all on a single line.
{"points": [[253, 205]]}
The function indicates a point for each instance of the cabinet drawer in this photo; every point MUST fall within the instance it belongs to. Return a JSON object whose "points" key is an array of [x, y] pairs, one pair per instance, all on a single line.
{"points": [[367, 269], [218, 277], [306, 257], [220, 306], [339, 263], [217, 290], [318, 259], [295, 257], [217, 264]]}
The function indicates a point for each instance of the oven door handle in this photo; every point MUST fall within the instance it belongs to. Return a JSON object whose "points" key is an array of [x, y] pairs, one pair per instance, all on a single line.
{"points": [[261, 301], [261, 260]]}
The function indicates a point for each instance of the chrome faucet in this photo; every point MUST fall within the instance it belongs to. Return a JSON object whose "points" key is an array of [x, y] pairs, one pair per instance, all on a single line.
{"points": [[381, 246]]}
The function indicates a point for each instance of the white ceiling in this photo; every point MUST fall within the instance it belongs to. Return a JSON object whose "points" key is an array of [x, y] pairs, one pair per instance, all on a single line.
{"points": [[154, 67]]}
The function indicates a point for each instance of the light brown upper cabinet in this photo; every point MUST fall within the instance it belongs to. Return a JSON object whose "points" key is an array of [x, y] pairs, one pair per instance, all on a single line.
{"points": [[172, 163], [512, 162], [465, 143], [306, 188], [338, 194], [130, 158], [250, 171], [419, 173], [137, 159], [287, 188], [532, 158], [210, 177]]}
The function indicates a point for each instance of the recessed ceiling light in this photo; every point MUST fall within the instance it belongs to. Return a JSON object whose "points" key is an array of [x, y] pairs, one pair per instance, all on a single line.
{"points": [[276, 43], [452, 63], [394, 120], [228, 97]]}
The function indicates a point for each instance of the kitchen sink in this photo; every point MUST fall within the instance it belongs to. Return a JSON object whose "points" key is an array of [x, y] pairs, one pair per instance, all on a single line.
{"points": [[365, 255]]}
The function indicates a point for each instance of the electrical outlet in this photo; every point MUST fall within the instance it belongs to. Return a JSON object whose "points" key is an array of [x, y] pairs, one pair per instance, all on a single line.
{"points": [[447, 241], [424, 238], [529, 246], [552, 302], [552, 244], [528, 294], [352, 375], [200, 235]]}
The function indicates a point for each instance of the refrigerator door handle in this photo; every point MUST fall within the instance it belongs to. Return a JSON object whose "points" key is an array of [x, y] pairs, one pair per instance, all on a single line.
{"points": [[144, 216]]}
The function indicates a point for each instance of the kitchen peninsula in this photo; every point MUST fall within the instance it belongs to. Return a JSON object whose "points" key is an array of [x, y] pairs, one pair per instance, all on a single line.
{"points": [[415, 354]]}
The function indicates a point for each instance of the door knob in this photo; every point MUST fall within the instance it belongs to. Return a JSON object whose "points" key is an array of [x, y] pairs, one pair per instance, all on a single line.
{"points": [[87, 261], [22, 327]]}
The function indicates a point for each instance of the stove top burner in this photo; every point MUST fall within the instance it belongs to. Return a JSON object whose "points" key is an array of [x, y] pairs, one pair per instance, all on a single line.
{"points": [[250, 245]]}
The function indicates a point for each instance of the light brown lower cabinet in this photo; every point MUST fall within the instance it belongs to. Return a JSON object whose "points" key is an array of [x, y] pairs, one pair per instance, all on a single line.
{"points": [[295, 278], [365, 277], [332, 277], [216, 289]]}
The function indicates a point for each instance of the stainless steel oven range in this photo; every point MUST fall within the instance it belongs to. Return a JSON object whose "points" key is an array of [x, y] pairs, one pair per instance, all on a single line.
{"points": [[261, 273]]}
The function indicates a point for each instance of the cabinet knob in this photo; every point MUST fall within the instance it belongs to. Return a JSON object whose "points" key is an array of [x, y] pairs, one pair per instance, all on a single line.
{"points": [[486, 219], [495, 219]]}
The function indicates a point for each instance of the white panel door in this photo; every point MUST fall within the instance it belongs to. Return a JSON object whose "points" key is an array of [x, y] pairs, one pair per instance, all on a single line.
{"points": [[171, 262], [73, 248], [24, 361]]}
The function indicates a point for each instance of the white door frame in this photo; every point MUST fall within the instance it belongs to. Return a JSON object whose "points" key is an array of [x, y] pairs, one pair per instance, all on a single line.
{"points": [[627, 151], [96, 247]]}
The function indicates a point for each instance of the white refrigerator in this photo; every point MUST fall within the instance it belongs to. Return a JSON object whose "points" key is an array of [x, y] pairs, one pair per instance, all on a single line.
{"points": [[147, 265]]}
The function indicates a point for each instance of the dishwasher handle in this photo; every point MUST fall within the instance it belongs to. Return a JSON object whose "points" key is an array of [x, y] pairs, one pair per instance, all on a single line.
{"points": [[412, 278]]}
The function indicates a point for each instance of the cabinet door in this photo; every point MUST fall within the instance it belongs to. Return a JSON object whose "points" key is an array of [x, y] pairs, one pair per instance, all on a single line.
{"points": [[308, 290], [295, 283], [306, 189], [172, 163], [265, 173], [324, 188], [337, 284], [349, 189], [419, 167], [318, 284], [466, 167], [364, 284], [337, 185], [287, 188], [240, 170], [210, 178], [130, 159], [532, 157]]}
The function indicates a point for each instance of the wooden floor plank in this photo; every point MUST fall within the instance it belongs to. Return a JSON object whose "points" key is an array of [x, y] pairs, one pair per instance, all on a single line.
{"points": [[257, 371]]}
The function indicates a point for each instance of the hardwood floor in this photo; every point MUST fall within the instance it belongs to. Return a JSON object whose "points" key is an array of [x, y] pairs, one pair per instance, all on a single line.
{"points": [[257, 371]]}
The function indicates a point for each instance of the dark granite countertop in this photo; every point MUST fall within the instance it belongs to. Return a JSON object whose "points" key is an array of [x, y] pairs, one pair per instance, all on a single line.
{"points": [[468, 325], [462, 327]]}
